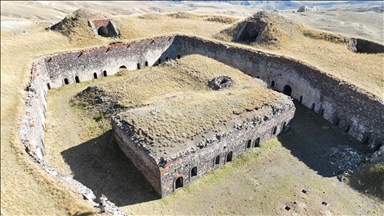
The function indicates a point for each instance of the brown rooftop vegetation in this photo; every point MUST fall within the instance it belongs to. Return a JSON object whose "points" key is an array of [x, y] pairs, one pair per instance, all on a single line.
{"points": [[362, 70], [172, 102]]}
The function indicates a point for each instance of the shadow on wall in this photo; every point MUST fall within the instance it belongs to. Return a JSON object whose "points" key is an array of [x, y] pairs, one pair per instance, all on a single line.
{"points": [[311, 138], [100, 165]]}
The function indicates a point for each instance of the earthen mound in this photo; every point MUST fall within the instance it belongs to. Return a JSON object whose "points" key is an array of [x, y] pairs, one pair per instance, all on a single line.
{"points": [[97, 102], [261, 28], [221, 82], [76, 26]]}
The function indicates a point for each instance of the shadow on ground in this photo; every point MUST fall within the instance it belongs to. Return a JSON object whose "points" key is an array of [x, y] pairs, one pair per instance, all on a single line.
{"points": [[100, 165], [311, 138]]}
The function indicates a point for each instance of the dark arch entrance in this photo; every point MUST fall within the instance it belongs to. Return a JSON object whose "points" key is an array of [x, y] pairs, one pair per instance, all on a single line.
{"points": [[257, 142], [287, 90], [229, 157], [194, 172], [102, 31], [252, 35], [217, 160], [179, 183]]}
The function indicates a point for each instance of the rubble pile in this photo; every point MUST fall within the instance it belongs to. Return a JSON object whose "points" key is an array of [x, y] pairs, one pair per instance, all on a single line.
{"points": [[343, 160]]}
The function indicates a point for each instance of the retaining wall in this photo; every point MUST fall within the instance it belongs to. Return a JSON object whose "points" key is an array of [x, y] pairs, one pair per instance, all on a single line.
{"points": [[226, 145], [358, 112]]}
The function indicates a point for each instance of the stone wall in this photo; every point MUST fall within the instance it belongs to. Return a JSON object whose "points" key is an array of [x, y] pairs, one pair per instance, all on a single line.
{"points": [[137, 154], [32, 128], [358, 112], [230, 145], [88, 64], [272, 120]]}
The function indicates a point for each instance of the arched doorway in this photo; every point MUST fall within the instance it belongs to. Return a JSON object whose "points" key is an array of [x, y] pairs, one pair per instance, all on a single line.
{"points": [[217, 160], [249, 142], [102, 31], [229, 157], [179, 183], [272, 84], [257, 142], [287, 90], [122, 68], [193, 172]]}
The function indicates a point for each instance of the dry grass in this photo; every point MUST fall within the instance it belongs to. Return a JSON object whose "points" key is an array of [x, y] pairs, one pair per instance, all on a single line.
{"points": [[25, 189], [363, 70], [324, 50], [369, 178], [182, 105]]}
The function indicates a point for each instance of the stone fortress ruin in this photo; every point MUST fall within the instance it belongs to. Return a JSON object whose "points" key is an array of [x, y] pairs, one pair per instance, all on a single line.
{"points": [[358, 112]]}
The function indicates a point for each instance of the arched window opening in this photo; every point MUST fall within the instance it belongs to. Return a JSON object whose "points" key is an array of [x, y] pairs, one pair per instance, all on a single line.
{"points": [[146, 63], [179, 183], [217, 160], [301, 99], [48, 86], [159, 60], [138, 65], [336, 121], [105, 73], [194, 172], [249, 142], [66, 81], [229, 157], [257, 142], [274, 130], [178, 56], [321, 111], [166, 59], [272, 84], [77, 79], [287, 90], [347, 128], [313, 106], [95, 75]]}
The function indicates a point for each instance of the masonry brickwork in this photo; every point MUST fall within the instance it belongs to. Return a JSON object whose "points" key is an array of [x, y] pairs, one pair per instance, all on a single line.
{"points": [[207, 154], [356, 111]]}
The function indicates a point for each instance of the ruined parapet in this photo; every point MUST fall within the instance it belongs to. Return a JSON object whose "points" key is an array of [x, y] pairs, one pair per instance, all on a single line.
{"points": [[170, 166], [356, 111], [104, 27], [358, 45]]}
